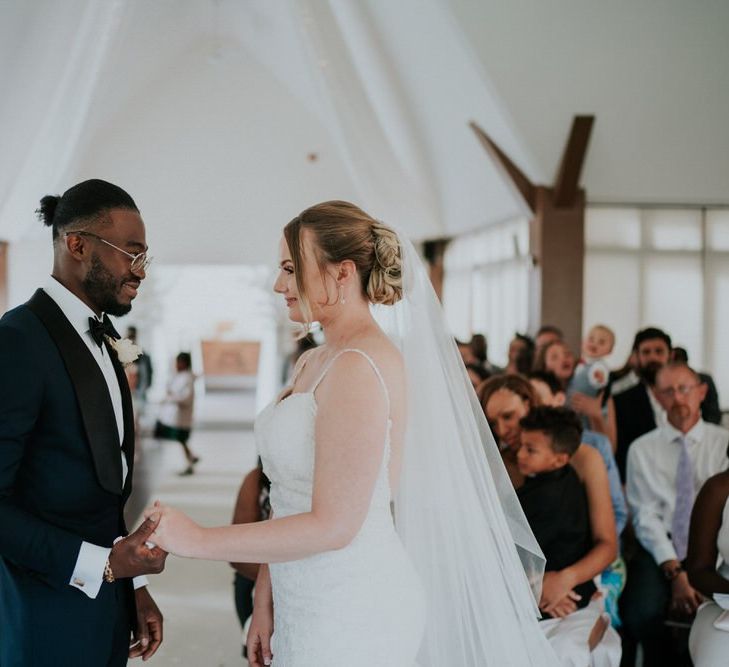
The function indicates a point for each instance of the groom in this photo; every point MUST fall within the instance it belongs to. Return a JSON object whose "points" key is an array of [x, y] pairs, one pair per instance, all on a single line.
{"points": [[72, 593]]}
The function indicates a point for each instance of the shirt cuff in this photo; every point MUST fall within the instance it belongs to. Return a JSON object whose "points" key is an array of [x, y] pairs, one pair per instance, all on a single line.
{"points": [[88, 574], [663, 552], [139, 582]]}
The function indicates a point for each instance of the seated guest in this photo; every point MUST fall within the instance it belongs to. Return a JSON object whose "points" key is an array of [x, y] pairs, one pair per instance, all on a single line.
{"points": [[665, 468], [466, 352], [477, 374], [505, 399], [709, 544], [637, 410], [550, 393], [598, 344], [556, 357], [547, 333], [521, 355], [612, 579], [592, 374], [710, 410], [480, 348], [587, 386], [555, 504]]}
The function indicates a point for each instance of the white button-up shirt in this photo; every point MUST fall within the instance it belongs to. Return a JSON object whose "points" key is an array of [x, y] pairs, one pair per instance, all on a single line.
{"points": [[659, 412], [89, 571], [651, 479]]}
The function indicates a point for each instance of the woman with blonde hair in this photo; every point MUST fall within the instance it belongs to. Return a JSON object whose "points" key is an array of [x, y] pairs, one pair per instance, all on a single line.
{"points": [[382, 412]]}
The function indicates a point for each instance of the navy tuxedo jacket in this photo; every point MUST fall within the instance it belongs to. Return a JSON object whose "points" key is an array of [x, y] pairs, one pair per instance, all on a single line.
{"points": [[60, 484]]}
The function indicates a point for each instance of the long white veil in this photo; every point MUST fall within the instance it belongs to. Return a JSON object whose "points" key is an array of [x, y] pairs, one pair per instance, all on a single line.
{"points": [[456, 510]]}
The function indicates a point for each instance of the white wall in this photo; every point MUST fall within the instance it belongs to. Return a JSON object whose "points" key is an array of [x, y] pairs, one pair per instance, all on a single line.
{"points": [[666, 268], [29, 267], [653, 72]]}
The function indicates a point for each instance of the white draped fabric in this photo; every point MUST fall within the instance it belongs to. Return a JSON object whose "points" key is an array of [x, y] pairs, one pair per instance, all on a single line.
{"points": [[486, 285], [58, 53], [207, 110]]}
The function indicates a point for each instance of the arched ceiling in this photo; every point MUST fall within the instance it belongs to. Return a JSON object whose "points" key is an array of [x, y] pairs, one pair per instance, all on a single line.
{"points": [[224, 119]]}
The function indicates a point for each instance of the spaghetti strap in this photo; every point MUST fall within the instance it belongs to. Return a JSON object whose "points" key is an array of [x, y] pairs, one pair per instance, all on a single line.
{"points": [[371, 362], [301, 364]]}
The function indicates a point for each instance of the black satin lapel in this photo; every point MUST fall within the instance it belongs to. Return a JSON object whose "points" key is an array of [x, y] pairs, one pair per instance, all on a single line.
{"points": [[97, 411], [128, 412]]}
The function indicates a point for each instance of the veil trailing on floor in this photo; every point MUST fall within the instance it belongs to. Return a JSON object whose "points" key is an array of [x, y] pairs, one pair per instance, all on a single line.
{"points": [[455, 509]]}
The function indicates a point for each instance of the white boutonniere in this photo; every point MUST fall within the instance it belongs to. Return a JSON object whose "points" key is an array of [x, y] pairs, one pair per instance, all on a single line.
{"points": [[126, 351]]}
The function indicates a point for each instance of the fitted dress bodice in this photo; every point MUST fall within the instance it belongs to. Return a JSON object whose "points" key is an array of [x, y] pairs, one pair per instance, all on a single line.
{"points": [[361, 605]]}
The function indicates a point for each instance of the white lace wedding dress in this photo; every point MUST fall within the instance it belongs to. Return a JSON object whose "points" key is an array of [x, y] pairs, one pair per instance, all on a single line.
{"points": [[361, 606]]}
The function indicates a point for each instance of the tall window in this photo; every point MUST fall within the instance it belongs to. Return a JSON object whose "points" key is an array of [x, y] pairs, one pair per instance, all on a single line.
{"points": [[485, 287], [662, 267]]}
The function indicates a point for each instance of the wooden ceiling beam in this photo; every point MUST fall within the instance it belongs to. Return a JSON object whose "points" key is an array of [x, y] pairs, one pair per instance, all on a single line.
{"points": [[570, 169], [512, 174]]}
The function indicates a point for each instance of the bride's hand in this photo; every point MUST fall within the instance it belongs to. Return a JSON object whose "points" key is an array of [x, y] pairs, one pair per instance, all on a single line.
{"points": [[176, 532], [258, 641]]}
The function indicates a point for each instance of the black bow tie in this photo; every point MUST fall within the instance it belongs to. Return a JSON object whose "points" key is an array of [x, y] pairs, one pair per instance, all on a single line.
{"points": [[100, 328]]}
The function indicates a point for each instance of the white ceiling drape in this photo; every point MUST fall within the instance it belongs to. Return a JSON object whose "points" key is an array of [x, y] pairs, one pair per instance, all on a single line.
{"points": [[51, 75], [224, 119], [206, 110]]}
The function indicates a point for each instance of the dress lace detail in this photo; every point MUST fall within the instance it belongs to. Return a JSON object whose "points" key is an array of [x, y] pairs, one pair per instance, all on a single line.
{"points": [[359, 606]]}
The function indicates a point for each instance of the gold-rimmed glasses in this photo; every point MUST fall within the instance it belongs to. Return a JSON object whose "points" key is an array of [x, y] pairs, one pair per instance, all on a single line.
{"points": [[140, 261]]}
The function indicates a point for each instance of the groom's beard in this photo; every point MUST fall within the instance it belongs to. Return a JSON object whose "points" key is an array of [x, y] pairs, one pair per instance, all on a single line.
{"points": [[103, 289]]}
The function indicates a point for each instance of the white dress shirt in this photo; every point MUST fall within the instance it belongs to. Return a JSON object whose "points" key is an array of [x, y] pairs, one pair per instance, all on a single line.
{"points": [[651, 479], [659, 412], [88, 573]]}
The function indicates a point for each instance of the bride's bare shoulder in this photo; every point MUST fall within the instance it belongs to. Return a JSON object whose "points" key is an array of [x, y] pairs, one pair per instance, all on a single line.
{"points": [[383, 352]]}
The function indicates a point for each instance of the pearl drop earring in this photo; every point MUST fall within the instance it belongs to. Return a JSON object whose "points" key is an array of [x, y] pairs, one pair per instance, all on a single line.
{"points": [[341, 295]]}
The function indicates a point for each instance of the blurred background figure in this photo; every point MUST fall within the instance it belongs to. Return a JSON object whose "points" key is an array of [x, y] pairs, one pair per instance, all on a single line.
{"points": [[144, 370], [467, 354], [521, 355], [252, 504], [479, 347], [176, 411], [477, 374], [546, 334], [301, 346]]}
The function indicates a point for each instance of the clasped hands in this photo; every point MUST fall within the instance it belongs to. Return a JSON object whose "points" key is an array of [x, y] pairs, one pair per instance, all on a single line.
{"points": [[685, 599], [134, 556], [558, 597], [174, 531]]}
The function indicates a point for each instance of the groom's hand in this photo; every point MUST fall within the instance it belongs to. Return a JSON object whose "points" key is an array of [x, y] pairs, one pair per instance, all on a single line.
{"points": [[148, 631], [131, 557]]}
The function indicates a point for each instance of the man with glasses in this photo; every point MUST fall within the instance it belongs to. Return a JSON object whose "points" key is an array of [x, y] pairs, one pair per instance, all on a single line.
{"points": [[72, 590], [666, 469]]}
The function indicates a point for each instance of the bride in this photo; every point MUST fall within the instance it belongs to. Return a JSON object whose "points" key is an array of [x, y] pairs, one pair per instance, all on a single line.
{"points": [[384, 411]]}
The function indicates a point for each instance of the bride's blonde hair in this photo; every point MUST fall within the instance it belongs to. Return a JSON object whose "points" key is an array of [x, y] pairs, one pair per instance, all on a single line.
{"points": [[344, 231]]}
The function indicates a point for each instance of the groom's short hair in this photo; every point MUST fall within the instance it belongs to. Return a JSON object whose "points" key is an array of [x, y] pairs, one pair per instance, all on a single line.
{"points": [[81, 205]]}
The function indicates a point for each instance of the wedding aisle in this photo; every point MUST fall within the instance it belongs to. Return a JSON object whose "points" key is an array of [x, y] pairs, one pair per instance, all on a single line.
{"points": [[196, 597]]}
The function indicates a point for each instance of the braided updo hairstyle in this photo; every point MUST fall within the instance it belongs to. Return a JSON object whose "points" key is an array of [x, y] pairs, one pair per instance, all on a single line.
{"points": [[343, 231]]}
